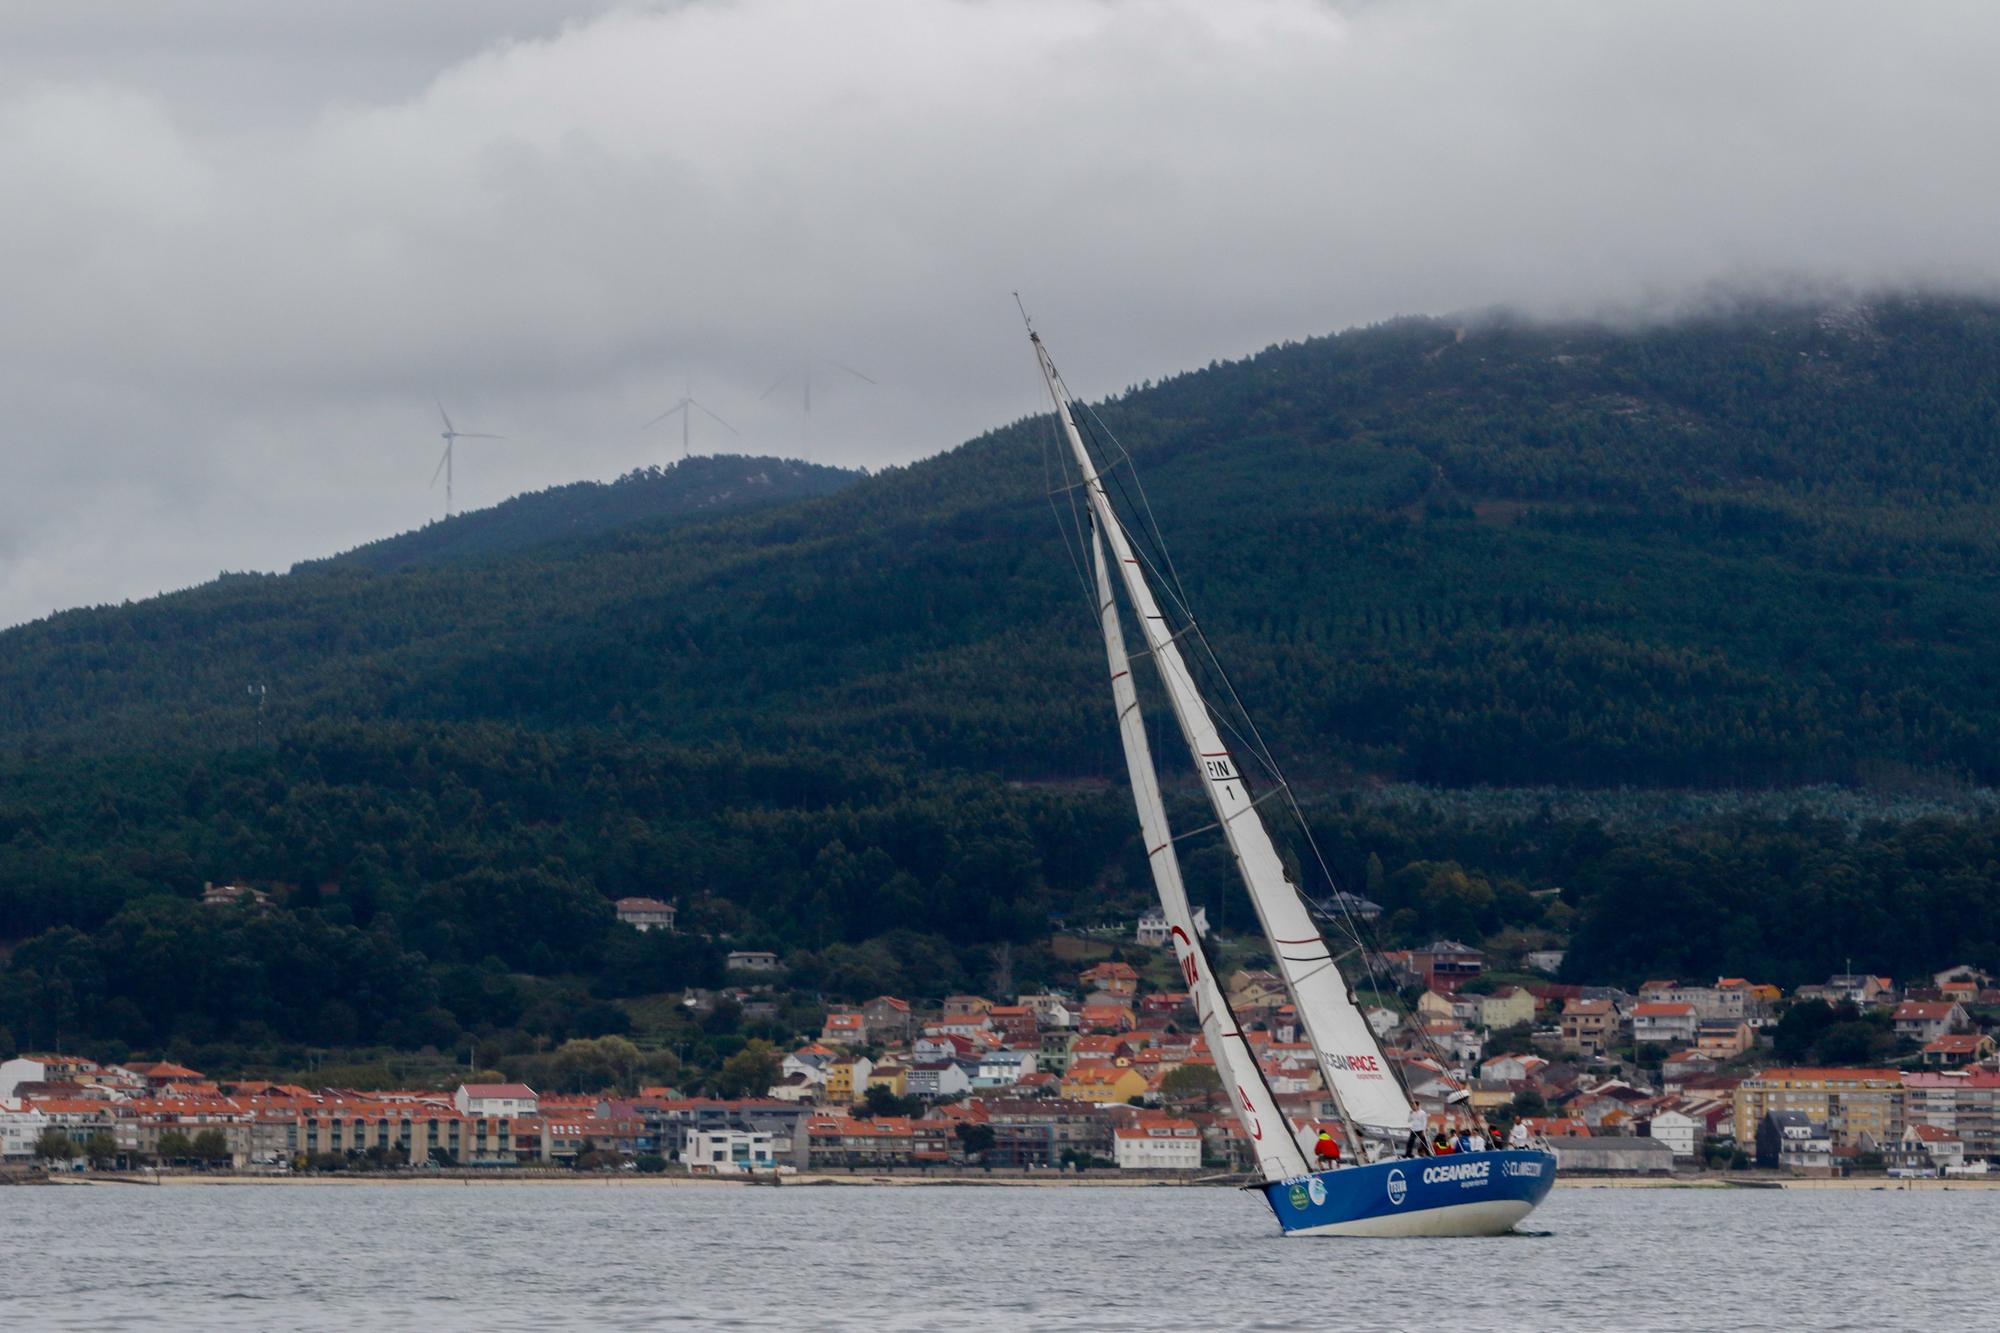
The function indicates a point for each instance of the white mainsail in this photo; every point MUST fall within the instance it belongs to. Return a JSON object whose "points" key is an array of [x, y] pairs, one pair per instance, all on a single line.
{"points": [[1275, 1140], [1351, 1062]]}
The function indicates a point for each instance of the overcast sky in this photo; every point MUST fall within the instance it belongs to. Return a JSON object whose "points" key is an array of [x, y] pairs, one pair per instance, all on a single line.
{"points": [[242, 243]]}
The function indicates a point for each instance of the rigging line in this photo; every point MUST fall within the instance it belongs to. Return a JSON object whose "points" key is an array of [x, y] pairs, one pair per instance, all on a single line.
{"points": [[1069, 544], [1168, 575], [1144, 502]]}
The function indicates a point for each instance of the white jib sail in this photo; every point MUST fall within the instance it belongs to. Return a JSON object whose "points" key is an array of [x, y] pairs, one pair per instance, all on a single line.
{"points": [[1350, 1060], [1275, 1140]]}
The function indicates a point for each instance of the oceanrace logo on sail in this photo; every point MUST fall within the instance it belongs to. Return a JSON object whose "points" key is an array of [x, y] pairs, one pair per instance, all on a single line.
{"points": [[1366, 1066], [1466, 1174]]}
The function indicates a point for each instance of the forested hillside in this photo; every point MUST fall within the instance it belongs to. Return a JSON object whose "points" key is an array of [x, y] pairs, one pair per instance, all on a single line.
{"points": [[1752, 549]]}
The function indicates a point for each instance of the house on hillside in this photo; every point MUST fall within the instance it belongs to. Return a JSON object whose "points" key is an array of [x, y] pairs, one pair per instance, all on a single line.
{"points": [[1589, 1027], [233, 895], [1664, 1022], [1118, 979], [645, 913], [844, 1027], [1957, 1049], [1927, 1020], [1506, 1007], [889, 1020], [752, 960]]}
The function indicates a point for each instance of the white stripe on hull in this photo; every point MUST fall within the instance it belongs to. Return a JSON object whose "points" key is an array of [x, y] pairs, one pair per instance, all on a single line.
{"points": [[1489, 1217]]}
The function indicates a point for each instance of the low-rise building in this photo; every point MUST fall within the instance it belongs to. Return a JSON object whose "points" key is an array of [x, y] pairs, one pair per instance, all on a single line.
{"points": [[1611, 1156], [1958, 1049], [501, 1100], [1724, 1038], [1589, 1027], [728, 1152], [1664, 1022], [1926, 1148], [645, 913], [1157, 1145], [1926, 1020], [752, 960], [1506, 1007]]}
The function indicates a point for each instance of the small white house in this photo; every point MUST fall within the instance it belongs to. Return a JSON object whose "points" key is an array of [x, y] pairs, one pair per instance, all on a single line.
{"points": [[1004, 1068], [644, 914], [1678, 1131], [1158, 1145], [752, 960], [1154, 932], [937, 1079], [505, 1100]]}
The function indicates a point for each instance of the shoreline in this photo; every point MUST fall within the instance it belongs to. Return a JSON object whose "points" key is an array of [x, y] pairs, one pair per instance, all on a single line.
{"points": [[841, 1180]]}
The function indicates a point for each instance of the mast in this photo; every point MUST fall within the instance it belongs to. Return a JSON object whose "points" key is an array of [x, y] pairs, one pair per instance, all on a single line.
{"points": [[1356, 1074], [1279, 1154]]}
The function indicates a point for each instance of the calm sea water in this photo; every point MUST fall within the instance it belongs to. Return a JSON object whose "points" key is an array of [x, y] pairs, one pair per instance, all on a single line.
{"points": [[590, 1256]]}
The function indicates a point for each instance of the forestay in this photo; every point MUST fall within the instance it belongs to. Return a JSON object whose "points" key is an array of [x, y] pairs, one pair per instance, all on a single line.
{"points": [[1350, 1060], [1279, 1154]]}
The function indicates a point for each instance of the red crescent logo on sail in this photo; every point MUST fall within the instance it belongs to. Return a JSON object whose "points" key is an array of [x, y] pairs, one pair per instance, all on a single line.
{"points": [[1250, 1114], [1190, 963]]}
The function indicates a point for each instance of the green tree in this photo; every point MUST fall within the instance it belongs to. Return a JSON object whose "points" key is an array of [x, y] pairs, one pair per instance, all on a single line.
{"points": [[52, 1145], [99, 1149], [976, 1139], [175, 1146], [749, 1072], [210, 1145], [1191, 1083]]}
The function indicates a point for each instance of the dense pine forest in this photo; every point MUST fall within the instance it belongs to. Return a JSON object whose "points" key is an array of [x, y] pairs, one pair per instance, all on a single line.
{"points": [[861, 719]]}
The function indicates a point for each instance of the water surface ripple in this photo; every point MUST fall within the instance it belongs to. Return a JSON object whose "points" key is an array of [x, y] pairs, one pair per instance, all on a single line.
{"points": [[504, 1257]]}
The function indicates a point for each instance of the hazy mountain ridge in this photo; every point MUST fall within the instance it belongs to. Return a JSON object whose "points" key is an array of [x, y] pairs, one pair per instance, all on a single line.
{"points": [[1754, 548]]}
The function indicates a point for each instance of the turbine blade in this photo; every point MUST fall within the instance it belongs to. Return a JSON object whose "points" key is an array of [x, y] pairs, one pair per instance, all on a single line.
{"points": [[440, 467], [849, 369], [443, 413], [712, 417], [475, 435], [681, 406], [778, 384]]}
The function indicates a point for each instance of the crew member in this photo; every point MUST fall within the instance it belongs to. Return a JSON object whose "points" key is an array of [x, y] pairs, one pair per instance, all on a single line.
{"points": [[1420, 1128], [1327, 1149], [1441, 1146], [1517, 1137]]}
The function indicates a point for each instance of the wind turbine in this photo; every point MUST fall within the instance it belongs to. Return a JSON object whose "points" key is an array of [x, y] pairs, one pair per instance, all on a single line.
{"points": [[687, 407], [451, 435], [803, 373]]}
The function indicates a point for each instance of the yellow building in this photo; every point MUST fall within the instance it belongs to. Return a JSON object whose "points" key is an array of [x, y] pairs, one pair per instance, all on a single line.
{"points": [[1849, 1102], [1103, 1083], [890, 1075], [846, 1080]]}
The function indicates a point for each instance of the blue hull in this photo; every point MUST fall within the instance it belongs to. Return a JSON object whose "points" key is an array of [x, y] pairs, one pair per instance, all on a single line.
{"points": [[1461, 1194]]}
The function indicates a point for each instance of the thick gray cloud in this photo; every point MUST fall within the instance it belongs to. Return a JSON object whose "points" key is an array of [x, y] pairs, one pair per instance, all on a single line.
{"points": [[242, 244]]}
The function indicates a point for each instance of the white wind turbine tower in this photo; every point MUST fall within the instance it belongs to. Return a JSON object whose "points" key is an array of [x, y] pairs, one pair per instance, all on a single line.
{"points": [[452, 435], [803, 373], [687, 407]]}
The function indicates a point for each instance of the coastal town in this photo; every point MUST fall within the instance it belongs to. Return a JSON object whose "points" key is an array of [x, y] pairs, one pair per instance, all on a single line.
{"points": [[1113, 1076]]}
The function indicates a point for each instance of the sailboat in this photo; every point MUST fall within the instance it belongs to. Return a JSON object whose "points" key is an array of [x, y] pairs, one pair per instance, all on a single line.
{"points": [[1381, 1193]]}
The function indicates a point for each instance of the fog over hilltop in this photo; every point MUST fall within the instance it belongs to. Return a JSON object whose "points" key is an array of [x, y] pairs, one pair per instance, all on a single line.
{"points": [[246, 244]]}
